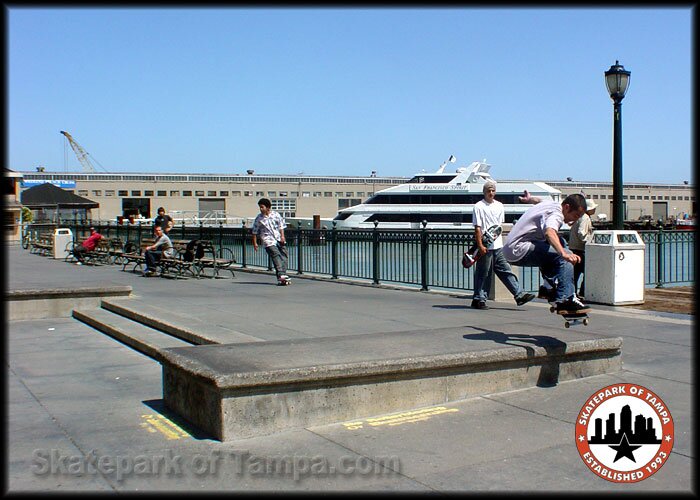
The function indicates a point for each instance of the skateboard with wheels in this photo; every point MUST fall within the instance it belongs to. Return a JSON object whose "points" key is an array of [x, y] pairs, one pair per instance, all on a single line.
{"points": [[472, 255], [571, 319], [284, 281]]}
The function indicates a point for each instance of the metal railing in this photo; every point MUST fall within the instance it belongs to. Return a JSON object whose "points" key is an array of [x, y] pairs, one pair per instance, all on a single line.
{"points": [[417, 257]]}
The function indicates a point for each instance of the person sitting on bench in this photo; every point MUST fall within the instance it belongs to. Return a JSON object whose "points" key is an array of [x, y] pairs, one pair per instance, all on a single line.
{"points": [[163, 247], [86, 246]]}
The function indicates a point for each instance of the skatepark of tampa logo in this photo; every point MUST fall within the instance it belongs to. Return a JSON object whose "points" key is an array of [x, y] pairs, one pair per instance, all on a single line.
{"points": [[624, 433]]}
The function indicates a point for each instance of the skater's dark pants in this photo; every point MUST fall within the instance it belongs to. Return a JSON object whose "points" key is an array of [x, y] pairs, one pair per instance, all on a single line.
{"points": [[278, 254], [553, 267]]}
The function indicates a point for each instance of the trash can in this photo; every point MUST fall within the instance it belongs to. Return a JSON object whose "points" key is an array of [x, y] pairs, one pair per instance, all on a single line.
{"points": [[614, 268], [61, 237]]}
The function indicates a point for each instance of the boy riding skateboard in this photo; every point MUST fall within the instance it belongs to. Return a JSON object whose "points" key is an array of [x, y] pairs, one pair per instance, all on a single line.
{"points": [[534, 241], [269, 226]]}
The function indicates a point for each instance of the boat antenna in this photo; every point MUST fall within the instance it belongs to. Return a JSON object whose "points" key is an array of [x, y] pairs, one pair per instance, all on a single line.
{"points": [[451, 159]]}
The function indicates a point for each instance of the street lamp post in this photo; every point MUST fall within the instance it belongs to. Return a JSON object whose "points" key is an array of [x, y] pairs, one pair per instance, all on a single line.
{"points": [[617, 80]]}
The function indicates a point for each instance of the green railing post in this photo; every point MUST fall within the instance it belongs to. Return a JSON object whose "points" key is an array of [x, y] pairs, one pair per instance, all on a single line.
{"points": [[201, 230], [659, 258], [375, 253], [182, 229], [244, 244], [221, 239], [424, 257], [299, 251], [334, 252]]}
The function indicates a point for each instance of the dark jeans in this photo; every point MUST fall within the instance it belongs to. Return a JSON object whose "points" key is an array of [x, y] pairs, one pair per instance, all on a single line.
{"points": [[578, 271], [152, 258], [554, 269], [278, 254], [78, 253]]}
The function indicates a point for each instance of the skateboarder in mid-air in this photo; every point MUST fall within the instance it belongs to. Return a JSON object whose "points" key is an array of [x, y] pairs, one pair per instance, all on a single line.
{"points": [[488, 213], [534, 241], [269, 226]]}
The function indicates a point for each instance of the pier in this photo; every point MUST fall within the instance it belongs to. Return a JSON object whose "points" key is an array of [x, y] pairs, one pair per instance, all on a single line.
{"points": [[320, 367]]}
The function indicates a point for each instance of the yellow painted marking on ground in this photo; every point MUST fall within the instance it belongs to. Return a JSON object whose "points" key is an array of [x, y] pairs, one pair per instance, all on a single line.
{"points": [[159, 423], [405, 417]]}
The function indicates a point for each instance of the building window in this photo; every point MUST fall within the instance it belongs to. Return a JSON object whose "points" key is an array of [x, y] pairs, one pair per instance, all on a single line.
{"points": [[221, 193], [187, 193], [123, 192], [136, 193], [247, 193], [162, 193], [646, 197], [317, 194], [595, 196], [653, 197], [283, 194], [82, 192], [199, 193], [338, 194], [174, 193], [148, 193], [259, 193], [109, 192], [295, 194], [327, 194], [212, 193], [306, 194], [235, 193], [272, 193], [97, 192], [348, 202]]}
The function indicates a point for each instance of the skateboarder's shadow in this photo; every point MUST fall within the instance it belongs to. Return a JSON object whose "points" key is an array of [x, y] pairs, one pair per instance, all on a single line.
{"points": [[549, 374]]}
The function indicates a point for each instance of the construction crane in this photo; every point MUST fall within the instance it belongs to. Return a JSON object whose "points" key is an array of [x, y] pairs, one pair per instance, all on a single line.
{"points": [[81, 154]]}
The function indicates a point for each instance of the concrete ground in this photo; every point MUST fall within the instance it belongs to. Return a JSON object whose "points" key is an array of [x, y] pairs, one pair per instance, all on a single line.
{"points": [[85, 412]]}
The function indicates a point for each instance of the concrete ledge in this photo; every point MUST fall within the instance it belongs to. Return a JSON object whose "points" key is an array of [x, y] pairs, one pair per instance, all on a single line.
{"points": [[247, 390], [36, 303]]}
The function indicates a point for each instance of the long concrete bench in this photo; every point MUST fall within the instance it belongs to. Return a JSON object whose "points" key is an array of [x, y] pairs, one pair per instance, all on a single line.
{"points": [[235, 391]]}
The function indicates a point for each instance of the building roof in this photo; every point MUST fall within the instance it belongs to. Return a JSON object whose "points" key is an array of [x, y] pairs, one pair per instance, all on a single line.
{"points": [[48, 195]]}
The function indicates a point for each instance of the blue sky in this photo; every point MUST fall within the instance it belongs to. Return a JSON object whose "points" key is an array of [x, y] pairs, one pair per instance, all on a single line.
{"points": [[344, 91]]}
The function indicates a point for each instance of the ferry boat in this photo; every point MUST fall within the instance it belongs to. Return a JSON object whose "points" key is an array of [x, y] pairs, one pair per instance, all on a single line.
{"points": [[445, 200]]}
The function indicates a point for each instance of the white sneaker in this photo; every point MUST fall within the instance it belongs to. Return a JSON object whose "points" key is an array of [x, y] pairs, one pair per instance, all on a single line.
{"points": [[78, 263]]}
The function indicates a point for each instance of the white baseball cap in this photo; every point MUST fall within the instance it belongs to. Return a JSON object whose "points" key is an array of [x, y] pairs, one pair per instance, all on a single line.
{"points": [[591, 205]]}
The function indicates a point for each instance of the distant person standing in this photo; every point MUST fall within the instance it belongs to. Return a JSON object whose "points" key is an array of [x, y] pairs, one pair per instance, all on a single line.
{"points": [[269, 227], [580, 235], [490, 212], [163, 220]]}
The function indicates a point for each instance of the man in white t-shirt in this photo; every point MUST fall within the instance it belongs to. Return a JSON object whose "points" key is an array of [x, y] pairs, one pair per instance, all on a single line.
{"points": [[489, 212], [535, 241]]}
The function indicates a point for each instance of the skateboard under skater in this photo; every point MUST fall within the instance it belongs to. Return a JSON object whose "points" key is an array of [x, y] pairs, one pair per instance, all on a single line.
{"points": [[284, 281], [571, 319], [472, 255]]}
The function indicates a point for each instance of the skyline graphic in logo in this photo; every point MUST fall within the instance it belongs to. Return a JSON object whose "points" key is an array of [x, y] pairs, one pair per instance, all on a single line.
{"points": [[624, 433]]}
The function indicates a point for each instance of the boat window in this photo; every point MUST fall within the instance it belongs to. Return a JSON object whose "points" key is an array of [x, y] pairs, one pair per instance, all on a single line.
{"points": [[418, 218], [431, 179], [438, 199]]}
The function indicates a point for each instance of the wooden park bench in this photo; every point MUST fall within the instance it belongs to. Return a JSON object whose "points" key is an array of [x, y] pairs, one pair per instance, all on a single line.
{"points": [[174, 267], [99, 255], [207, 264], [42, 244]]}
